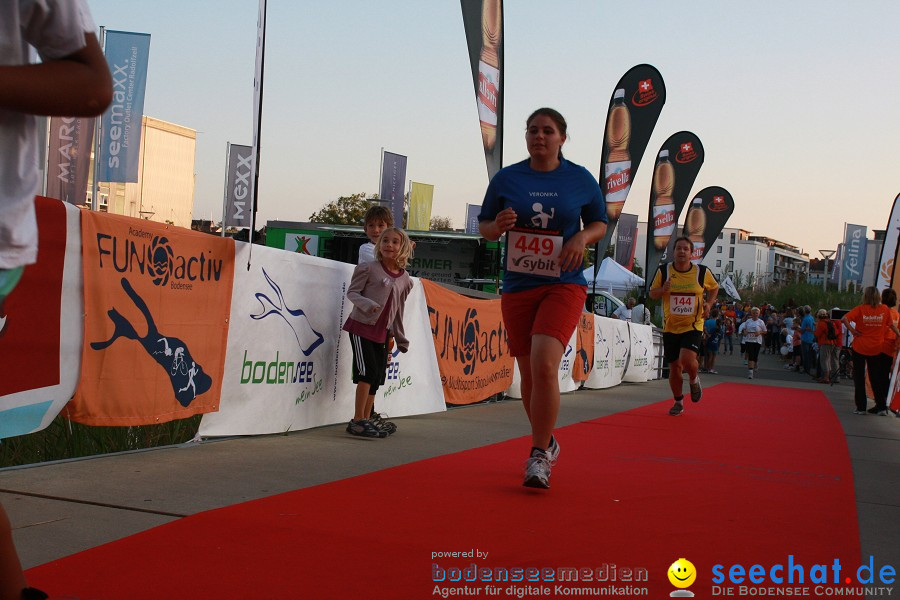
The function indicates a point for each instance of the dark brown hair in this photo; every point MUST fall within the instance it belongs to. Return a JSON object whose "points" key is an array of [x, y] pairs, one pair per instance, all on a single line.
{"points": [[554, 116]]}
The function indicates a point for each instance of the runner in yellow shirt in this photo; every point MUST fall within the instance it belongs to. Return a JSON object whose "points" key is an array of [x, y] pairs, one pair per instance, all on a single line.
{"points": [[682, 287]]}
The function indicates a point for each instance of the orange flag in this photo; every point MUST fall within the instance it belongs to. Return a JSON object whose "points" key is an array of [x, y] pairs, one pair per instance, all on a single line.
{"points": [[470, 343], [157, 300]]}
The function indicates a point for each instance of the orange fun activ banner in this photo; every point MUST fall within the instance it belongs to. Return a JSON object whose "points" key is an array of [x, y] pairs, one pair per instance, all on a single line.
{"points": [[584, 359], [470, 343], [157, 300]]}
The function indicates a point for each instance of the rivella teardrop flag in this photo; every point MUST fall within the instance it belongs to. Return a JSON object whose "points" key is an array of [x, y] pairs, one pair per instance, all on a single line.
{"points": [[483, 22], [677, 164], [634, 109], [706, 217]]}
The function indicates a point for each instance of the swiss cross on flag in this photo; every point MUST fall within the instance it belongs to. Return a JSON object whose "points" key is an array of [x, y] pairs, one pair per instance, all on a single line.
{"points": [[687, 147], [718, 200], [646, 86]]}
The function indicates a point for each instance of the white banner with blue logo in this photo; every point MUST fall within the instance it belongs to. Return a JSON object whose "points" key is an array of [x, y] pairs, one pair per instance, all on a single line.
{"points": [[288, 364], [127, 55], [563, 373], [641, 362], [611, 346]]}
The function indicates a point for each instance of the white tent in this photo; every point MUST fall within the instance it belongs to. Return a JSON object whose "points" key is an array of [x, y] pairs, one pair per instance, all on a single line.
{"points": [[613, 278]]}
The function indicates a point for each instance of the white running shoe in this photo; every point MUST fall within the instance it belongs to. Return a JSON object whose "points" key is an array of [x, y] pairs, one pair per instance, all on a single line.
{"points": [[537, 469]]}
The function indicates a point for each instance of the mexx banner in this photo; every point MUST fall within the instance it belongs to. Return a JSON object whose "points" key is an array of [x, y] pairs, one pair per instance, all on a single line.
{"points": [[420, 198], [677, 164], [69, 158], [889, 248], [128, 55], [238, 186], [40, 333], [483, 22], [706, 217], [626, 240], [470, 342], [854, 257], [472, 212], [157, 302], [393, 181], [633, 112]]}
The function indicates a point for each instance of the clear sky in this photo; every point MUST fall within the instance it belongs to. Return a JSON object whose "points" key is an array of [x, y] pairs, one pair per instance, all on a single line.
{"points": [[794, 101]]}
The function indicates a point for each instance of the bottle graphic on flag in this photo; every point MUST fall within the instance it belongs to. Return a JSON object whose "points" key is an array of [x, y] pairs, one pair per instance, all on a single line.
{"points": [[694, 226], [663, 205], [618, 161], [489, 72]]}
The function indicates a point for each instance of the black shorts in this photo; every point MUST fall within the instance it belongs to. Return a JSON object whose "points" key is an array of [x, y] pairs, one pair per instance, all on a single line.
{"points": [[674, 342], [369, 362], [753, 351]]}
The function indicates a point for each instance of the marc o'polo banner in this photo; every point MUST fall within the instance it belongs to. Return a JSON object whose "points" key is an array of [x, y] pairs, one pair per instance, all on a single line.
{"points": [[706, 217], [69, 158], [393, 182], [128, 55], [483, 22], [239, 186], [40, 334], [470, 342], [634, 109], [889, 248], [677, 164], [157, 300]]}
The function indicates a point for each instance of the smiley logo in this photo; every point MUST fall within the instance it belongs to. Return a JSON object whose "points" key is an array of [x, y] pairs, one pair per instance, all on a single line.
{"points": [[682, 573]]}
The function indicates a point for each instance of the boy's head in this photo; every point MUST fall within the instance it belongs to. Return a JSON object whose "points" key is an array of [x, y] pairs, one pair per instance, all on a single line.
{"points": [[377, 219]]}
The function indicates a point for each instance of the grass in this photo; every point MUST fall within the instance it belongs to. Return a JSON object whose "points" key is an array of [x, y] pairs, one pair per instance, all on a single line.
{"points": [[64, 439]]}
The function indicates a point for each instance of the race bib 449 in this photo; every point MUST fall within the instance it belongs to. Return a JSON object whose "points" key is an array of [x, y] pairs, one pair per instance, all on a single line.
{"points": [[533, 253]]}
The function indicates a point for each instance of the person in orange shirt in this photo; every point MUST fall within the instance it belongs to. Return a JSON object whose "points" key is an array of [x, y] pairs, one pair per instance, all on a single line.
{"points": [[889, 347], [868, 323], [828, 347]]}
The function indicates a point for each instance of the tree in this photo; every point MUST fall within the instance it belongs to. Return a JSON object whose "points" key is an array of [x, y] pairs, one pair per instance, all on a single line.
{"points": [[440, 224], [346, 210]]}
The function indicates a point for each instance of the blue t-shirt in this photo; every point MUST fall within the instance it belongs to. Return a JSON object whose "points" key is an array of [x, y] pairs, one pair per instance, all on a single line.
{"points": [[807, 329], [558, 200]]}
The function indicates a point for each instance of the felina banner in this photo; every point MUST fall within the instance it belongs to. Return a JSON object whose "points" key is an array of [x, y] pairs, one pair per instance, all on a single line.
{"points": [[854, 258], [889, 248], [420, 199], [40, 335], [69, 158], [634, 109], [128, 55], [157, 301], [706, 218], [677, 164], [470, 342], [483, 23]]}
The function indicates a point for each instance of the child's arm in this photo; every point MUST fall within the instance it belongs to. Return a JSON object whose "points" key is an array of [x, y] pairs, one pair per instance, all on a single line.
{"points": [[357, 285], [397, 326]]}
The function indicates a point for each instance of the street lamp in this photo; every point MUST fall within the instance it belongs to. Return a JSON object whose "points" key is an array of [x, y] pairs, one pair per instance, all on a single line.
{"points": [[826, 254]]}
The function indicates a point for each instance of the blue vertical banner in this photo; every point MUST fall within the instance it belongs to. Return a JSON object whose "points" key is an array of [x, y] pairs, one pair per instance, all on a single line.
{"points": [[472, 212], [393, 184], [128, 55], [854, 253]]}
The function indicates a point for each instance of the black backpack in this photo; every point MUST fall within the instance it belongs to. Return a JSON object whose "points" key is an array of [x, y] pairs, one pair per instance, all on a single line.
{"points": [[831, 333]]}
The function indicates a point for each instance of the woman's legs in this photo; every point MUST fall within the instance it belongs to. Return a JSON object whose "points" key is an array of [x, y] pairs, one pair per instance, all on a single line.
{"points": [[540, 387], [12, 580], [859, 381]]}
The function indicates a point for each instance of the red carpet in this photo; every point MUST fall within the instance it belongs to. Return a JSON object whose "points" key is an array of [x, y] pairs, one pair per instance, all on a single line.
{"points": [[748, 476]]}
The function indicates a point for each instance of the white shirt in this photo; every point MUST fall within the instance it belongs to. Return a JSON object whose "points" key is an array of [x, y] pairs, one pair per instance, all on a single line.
{"points": [[623, 312], [56, 29], [366, 253], [751, 327], [640, 314]]}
